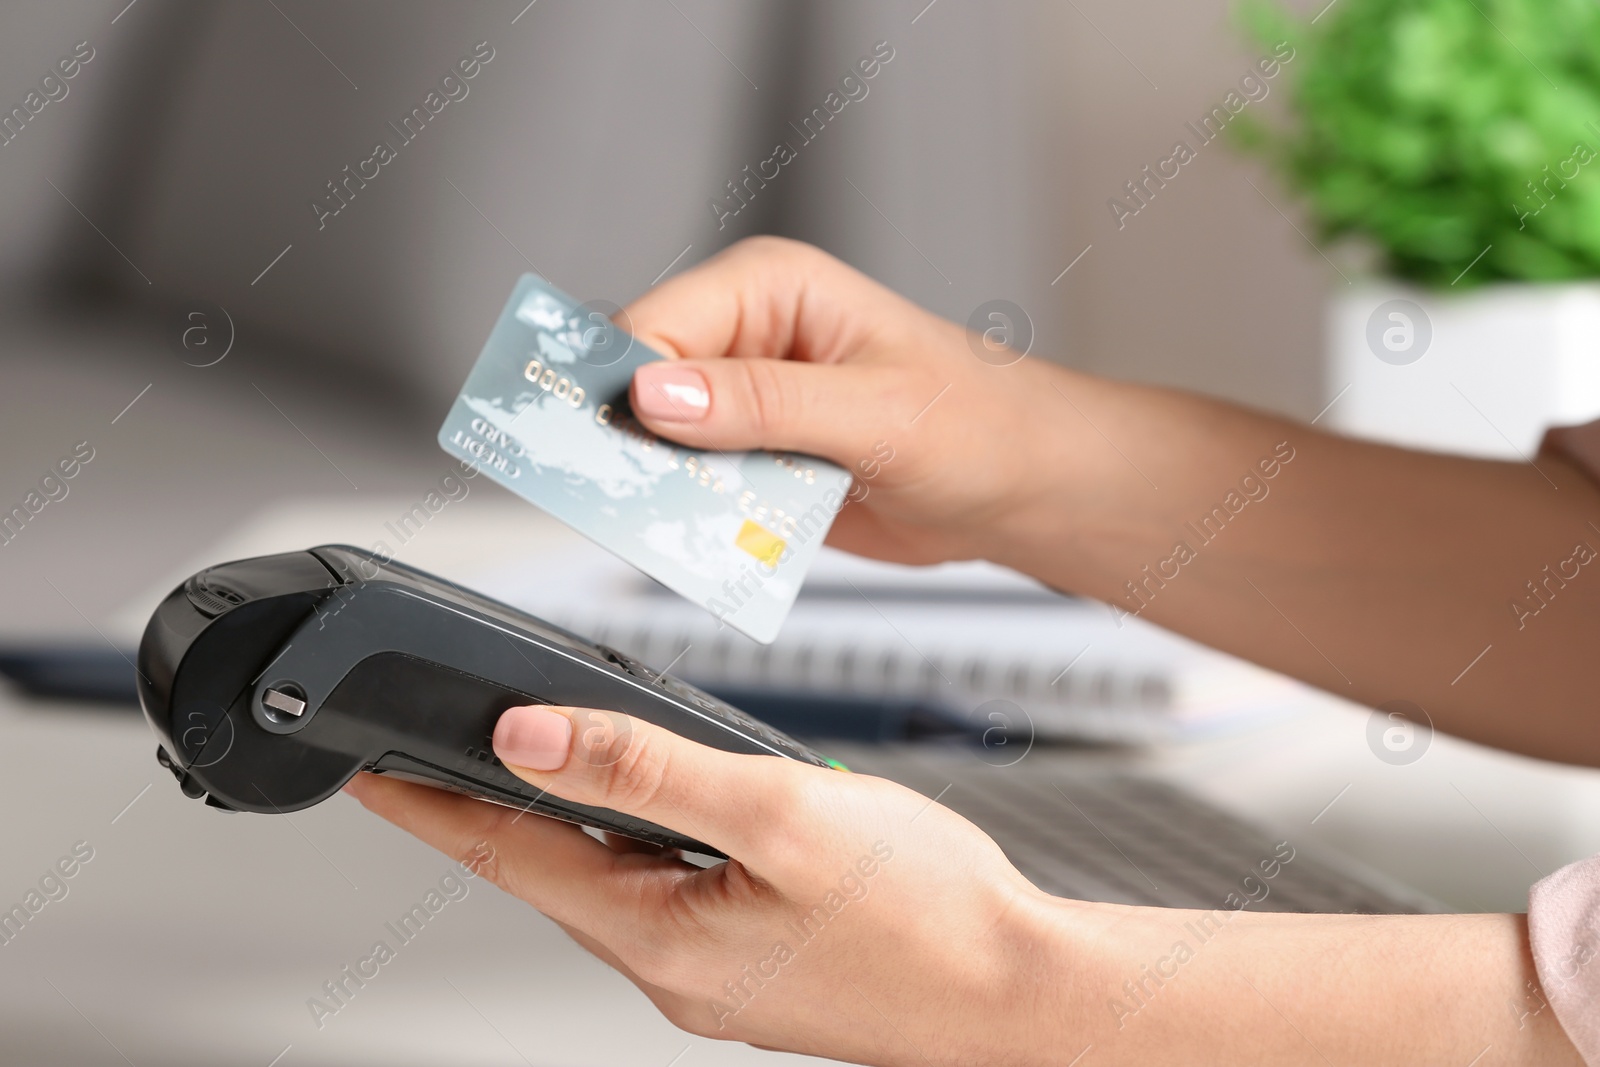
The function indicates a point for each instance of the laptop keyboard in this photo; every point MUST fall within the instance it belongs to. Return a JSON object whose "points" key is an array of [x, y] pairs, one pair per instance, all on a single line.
{"points": [[1120, 838]]}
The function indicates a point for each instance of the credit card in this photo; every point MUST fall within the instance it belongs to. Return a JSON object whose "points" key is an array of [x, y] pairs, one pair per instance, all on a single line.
{"points": [[545, 414]]}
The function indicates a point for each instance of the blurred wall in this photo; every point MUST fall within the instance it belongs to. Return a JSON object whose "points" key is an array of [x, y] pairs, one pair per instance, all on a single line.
{"points": [[577, 149], [1208, 287], [44, 241], [978, 166]]}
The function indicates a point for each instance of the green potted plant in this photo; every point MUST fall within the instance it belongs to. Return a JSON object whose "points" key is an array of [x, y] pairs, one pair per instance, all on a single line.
{"points": [[1456, 145]]}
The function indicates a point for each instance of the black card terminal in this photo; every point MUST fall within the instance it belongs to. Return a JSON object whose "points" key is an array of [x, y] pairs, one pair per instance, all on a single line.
{"points": [[270, 682]]}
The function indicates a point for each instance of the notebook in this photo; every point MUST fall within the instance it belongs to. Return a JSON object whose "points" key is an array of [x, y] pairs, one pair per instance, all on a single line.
{"points": [[972, 642]]}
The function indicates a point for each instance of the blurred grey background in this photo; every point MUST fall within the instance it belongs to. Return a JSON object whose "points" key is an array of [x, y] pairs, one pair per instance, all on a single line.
{"points": [[180, 168], [183, 163]]}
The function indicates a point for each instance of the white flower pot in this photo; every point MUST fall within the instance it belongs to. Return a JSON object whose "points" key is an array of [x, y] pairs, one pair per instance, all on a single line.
{"points": [[1482, 372]]}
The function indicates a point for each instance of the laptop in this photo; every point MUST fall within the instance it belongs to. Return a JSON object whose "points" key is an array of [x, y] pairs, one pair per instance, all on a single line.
{"points": [[1078, 829]]}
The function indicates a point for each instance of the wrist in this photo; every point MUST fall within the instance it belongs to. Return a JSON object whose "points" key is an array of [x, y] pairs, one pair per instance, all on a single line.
{"points": [[1078, 499], [1085, 976], [1048, 1003]]}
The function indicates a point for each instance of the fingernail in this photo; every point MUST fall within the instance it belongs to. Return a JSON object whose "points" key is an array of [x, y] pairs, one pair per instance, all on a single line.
{"points": [[671, 392], [533, 737]]}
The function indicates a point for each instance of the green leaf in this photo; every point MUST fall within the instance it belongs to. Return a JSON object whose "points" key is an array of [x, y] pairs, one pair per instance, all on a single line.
{"points": [[1430, 127]]}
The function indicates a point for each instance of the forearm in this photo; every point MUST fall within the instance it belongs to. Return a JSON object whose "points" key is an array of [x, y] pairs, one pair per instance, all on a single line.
{"points": [[1150, 986], [1374, 572]]}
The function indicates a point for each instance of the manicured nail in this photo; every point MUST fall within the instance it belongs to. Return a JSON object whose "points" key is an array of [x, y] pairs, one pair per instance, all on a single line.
{"points": [[534, 737], [671, 392]]}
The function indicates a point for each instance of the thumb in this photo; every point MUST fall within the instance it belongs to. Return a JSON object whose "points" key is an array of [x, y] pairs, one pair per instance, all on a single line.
{"points": [[733, 802], [836, 411]]}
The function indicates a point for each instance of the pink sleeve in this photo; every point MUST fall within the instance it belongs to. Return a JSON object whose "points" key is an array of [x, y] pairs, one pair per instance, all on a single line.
{"points": [[1564, 909], [1564, 931]]}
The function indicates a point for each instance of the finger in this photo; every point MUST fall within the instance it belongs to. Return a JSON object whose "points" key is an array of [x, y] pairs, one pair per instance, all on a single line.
{"points": [[552, 865], [663, 999], [838, 411], [600, 951], [779, 309], [668, 1002], [733, 802], [760, 298]]}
